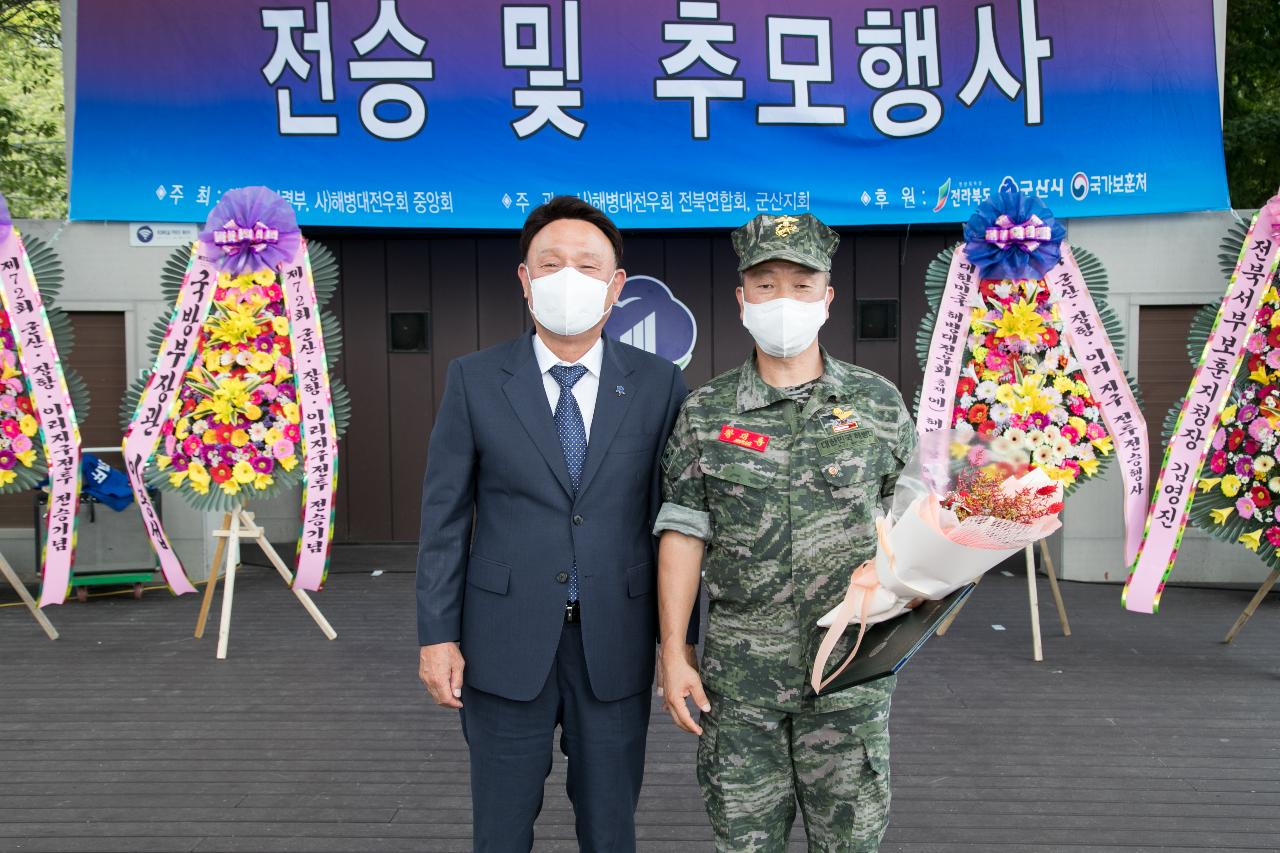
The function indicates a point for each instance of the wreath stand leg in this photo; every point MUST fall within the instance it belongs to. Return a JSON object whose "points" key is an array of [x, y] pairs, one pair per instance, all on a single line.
{"points": [[1253, 605], [212, 583], [951, 617], [1052, 572], [12, 577], [240, 526], [1034, 599]]}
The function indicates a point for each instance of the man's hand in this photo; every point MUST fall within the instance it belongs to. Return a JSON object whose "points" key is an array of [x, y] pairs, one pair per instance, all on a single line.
{"points": [[440, 668], [690, 656], [680, 681]]}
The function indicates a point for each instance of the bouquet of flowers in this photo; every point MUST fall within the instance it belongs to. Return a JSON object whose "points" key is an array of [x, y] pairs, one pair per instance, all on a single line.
{"points": [[962, 504]]}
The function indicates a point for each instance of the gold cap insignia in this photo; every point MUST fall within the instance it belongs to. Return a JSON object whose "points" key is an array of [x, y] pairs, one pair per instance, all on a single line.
{"points": [[786, 226]]}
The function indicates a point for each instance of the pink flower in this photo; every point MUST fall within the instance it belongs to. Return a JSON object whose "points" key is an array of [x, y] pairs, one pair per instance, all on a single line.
{"points": [[1273, 362], [1095, 432], [1218, 462], [1256, 342], [20, 444], [292, 432], [1259, 429], [1070, 434], [8, 404], [191, 445], [996, 360], [13, 385], [1071, 465], [1076, 405], [1273, 536], [1219, 439], [170, 444], [282, 449], [1245, 507], [10, 428]]}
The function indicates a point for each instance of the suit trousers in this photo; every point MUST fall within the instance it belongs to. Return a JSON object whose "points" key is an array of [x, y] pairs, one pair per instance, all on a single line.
{"points": [[511, 745]]}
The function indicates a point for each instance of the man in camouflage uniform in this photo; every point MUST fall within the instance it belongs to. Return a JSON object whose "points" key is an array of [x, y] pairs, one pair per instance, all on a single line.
{"points": [[776, 471]]}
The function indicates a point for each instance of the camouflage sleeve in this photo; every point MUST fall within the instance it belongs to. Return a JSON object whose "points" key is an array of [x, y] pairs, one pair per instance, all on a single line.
{"points": [[684, 497], [902, 449]]}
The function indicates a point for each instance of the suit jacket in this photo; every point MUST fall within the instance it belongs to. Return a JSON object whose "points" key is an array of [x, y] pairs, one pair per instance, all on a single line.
{"points": [[501, 525]]}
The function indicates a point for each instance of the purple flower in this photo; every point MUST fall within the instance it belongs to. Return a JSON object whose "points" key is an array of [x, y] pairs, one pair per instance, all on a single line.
{"points": [[1013, 236], [263, 464], [180, 463], [251, 229], [263, 343], [7, 460], [1039, 420], [1244, 467], [1247, 413]]}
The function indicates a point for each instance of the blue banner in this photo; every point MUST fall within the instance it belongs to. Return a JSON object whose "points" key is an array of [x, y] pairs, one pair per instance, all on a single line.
{"points": [[674, 113]]}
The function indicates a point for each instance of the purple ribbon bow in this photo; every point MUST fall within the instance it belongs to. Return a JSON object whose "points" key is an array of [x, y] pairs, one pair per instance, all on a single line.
{"points": [[254, 229]]}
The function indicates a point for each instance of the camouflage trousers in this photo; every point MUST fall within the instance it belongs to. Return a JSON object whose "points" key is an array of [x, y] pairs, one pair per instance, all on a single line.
{"points": [[755, 763]]}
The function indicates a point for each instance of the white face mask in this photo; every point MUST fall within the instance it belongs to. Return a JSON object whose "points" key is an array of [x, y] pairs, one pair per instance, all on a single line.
{"points": [[784, 327], [567, 302]]}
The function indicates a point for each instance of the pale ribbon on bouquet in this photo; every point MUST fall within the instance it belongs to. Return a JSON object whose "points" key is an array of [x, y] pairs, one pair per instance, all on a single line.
{"points": [[862, 585]]}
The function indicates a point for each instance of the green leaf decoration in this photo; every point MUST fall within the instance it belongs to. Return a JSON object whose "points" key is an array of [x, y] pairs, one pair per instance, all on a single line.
{"points": [[1095, 277], [326, 275]]}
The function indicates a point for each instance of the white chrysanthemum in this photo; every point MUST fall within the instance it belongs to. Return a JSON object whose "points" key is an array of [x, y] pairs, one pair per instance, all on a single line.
{"points": [[986, 390], [1058, 415], [1000, 413], [1052, 433], [1043, 455], [963, 429], [1091, 413], [1051, 394], [1035, 439], [198, 427], [1061, 447], [1017, 436], [967, 400]]}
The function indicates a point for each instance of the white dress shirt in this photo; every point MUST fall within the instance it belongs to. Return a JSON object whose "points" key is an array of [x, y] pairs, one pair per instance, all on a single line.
{"points": [[586, 388]]}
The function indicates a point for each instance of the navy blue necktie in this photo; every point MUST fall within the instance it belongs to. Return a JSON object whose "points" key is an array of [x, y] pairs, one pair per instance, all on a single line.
{"points": [[573, 438]]}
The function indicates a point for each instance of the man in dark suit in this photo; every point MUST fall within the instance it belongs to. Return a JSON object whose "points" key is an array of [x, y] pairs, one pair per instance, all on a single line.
{"points": [[536, 558]]}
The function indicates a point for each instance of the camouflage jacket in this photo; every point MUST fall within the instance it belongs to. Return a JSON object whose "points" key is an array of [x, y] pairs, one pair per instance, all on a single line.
{"points": [[785, 498]]}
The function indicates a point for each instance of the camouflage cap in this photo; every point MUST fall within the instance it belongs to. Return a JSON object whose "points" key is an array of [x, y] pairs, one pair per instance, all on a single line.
{"points": [[801, 239]]}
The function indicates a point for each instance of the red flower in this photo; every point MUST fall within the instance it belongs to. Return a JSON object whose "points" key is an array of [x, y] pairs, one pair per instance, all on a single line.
{"points": [[1273, 536], [990, 341], [220, 473], [986, 427], [1234, 438], [1273, 338], [223, 432], [978, 413], [1255, 361], [1050, 337], [24, 403], [1261, 496], [965, 385]]}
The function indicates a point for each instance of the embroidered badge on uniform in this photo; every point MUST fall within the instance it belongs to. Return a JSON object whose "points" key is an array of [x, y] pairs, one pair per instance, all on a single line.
{"points": [[744, 438]]}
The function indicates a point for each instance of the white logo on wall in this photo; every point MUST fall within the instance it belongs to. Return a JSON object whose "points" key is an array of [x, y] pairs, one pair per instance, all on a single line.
{"points": [[651, 318]]}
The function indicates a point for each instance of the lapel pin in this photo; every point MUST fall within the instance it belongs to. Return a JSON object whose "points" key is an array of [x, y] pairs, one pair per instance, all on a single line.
{"points": [[620, 391]]}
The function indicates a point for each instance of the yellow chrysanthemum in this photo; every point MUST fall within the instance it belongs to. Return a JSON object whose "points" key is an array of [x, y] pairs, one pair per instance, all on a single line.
{"points": [[1082, 389], [1229, 414], [1231, 485], [239, 437], [1220, 516], [181, 427], [28, 426], [1077, 423], [291, 413], [262, 362], [1252, 539], [243, 472], [1020, 320], [280, 325], [253, 412], [1063, 385], [273, 435]]}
